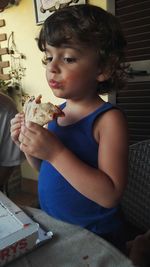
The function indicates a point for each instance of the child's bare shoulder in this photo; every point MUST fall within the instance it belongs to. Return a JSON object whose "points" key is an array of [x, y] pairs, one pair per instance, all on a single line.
{"points": [[111, 118], [111, 122]]}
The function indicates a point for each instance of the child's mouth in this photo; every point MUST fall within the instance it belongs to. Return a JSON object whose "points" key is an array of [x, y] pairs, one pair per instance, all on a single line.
{"points": [[54, 84]]}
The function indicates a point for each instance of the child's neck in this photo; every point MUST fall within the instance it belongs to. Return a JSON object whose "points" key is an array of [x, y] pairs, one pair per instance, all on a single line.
{"points": [[83, 105], [76, 110]]}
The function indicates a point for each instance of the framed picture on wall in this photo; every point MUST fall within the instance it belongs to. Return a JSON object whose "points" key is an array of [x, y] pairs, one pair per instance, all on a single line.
{"points": [[44, 8]]}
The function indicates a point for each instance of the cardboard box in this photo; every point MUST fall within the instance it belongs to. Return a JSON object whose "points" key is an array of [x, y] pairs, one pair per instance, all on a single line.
{"points": [[19, 234]]}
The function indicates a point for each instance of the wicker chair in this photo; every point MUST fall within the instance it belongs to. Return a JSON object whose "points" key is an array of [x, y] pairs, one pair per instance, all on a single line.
{"points": [[136, 200]]}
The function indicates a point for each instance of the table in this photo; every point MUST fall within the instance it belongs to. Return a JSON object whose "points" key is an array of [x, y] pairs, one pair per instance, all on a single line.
{"points": [[71, 246]]}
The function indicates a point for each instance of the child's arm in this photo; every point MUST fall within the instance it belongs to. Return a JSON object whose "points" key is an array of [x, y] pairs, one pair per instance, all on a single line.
{"points": [[104, 185]]}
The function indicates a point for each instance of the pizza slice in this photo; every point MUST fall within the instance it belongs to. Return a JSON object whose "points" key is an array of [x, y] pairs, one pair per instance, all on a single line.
{"points": [[41, 113]]}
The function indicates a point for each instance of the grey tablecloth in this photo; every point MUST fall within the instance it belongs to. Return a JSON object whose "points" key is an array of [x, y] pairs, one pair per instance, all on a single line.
{"points": [[70, 246]]}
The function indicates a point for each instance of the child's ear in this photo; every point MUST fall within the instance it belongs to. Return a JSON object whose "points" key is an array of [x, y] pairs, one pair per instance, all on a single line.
{"points": [[101, 77]]}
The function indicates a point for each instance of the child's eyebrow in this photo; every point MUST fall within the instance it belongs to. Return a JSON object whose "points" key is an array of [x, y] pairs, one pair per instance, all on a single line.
{"points": [[66, 46], [46, 50], [72, 46]]}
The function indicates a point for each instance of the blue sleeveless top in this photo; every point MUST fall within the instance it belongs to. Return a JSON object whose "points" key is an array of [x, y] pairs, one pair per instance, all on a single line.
{"points": [[58, 198]]}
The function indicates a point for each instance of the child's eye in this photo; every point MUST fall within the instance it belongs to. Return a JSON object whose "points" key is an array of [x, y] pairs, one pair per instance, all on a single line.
{"points": [[46, 60], [69, 60]]}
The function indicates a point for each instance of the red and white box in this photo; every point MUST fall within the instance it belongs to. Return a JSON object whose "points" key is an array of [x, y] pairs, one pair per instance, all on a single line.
{"points": [[19, 234]]}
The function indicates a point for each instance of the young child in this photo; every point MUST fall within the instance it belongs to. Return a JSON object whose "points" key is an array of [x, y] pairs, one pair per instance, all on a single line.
{"points": [[82, 157]]}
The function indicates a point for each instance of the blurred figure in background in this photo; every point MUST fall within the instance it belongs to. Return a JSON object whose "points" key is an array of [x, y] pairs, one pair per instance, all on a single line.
{"points": [[10, 154]]}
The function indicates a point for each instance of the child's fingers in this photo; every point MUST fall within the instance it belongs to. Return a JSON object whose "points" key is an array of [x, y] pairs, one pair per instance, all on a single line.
{"points": [[15, 126], [15, 136], [38, 99], [18, 118], [17, 121]]}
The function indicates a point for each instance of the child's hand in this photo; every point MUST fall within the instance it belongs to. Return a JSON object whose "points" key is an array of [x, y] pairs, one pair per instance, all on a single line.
{"points": [[139, 250], [38, 142], [15, 128]]}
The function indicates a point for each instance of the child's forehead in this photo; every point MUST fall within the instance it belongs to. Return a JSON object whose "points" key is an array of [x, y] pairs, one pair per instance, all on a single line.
{"points": [[64, 46]]}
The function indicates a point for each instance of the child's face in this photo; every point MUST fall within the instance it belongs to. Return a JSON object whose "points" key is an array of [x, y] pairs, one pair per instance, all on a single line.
{"points": [[71, 72]]}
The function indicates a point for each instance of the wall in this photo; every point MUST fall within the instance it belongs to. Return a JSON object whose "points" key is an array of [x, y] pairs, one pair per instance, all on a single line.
{"points": [[21, 20]]}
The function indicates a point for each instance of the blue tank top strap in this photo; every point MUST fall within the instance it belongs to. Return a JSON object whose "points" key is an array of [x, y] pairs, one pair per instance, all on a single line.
{"points": [[87, 122], [100, 110], [62, 105]]}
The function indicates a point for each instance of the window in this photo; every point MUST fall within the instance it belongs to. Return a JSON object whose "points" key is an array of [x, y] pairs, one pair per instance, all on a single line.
{"points": [[134, 16]]}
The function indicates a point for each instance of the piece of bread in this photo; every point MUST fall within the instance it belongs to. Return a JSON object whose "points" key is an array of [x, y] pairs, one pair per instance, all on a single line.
{"points": [[40, 113]]}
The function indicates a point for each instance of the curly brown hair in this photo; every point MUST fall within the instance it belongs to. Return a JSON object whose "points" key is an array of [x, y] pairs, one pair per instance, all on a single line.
{"points": [[92, 27]]}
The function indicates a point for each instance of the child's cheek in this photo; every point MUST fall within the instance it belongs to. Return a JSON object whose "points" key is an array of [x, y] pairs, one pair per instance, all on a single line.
{"points": [[71, 78]]}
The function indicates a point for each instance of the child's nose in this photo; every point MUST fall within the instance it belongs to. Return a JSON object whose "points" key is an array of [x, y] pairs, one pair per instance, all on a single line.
{"points": [[53, 66]]}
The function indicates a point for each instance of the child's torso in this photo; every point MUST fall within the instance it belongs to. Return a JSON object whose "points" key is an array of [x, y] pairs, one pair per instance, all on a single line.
{"points": [[57, 197]]}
